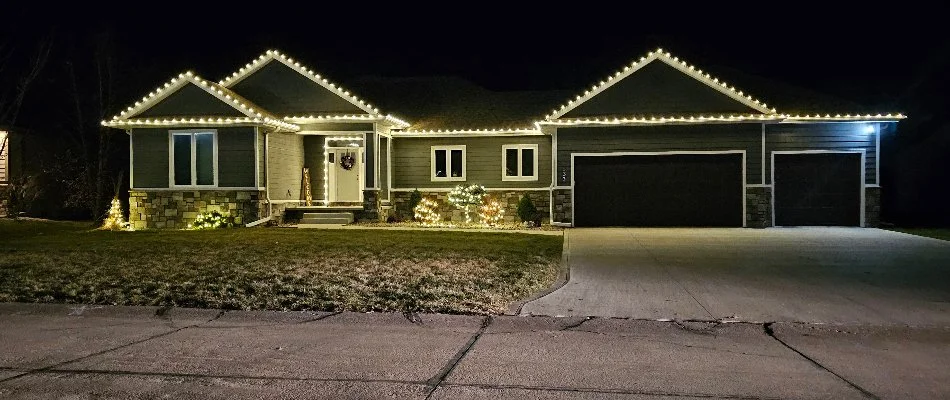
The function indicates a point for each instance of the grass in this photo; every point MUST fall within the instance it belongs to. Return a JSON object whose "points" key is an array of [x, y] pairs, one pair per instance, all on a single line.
{"points": [[275, 268], [936, 233]]}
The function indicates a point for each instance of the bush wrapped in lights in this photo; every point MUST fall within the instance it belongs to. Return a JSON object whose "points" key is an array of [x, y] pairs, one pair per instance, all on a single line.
{"points": [[491, 212], [212, 220], [427, 212], [114, 220], [467, 198]]}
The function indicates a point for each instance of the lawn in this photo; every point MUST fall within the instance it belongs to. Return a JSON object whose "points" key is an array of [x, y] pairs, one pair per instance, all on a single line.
{"points": [[275, 268], [936, 233]]}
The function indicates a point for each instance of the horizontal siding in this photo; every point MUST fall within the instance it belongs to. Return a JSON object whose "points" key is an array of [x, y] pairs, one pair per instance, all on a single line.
{"points": [[261, 167], [369, 160], [383, 168], [314, 160], [719, 137], [286, 159], [150, 158], [236, 157], [283, 91], [831, 137], [412, 161], [190, 100], [337, 127]]}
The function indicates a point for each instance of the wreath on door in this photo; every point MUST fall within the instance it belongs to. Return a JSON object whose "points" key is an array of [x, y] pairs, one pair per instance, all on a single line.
{"points": [[347, 162]]}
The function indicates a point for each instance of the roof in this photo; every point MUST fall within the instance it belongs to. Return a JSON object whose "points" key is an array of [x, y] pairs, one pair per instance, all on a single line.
{"points": [[451, 103]]}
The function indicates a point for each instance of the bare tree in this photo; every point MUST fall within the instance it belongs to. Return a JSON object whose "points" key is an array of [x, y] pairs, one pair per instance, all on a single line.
{"points": [[92, 98], [11, 99]]}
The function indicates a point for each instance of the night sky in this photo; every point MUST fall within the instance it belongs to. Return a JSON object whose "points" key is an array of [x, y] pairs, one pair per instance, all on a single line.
{"points": [[893, 59]]}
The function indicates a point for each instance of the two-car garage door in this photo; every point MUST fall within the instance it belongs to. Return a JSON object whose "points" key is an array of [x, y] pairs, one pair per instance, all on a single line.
{"points": [[658, 190], [706, 189]]}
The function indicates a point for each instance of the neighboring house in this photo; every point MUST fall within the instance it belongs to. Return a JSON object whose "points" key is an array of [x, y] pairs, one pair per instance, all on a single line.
{"points": [[4, 158], [658, 143]]}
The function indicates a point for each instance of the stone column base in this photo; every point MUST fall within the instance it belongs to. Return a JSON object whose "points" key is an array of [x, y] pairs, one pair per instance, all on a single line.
{"points": [[758, 207]]}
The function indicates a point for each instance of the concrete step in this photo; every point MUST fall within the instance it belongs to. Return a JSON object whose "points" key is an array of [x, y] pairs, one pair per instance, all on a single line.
{"points": [[328, 214], [328, 221]]}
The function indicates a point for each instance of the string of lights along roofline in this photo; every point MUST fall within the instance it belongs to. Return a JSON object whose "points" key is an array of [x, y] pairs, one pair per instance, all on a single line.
{"points": [[184, 78], [208, 121], [269, 55], [675, 62]]}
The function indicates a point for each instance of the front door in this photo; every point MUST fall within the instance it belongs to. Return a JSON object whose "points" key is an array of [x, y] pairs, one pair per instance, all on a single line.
{"points": [[345, 165]]}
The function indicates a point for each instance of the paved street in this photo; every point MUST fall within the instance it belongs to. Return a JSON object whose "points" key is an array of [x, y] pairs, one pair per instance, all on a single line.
{"points": [[816, 275], [59, 351]]}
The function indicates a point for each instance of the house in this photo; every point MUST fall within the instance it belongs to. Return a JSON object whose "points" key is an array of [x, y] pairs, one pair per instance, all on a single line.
{"points": [[657, 143]]}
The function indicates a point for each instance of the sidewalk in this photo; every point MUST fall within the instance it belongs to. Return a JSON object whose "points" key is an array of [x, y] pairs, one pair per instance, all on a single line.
{"points": [[55, 351]]}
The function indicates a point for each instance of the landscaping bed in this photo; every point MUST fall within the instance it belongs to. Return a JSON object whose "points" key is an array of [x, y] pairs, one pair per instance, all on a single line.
{"points": [[444, 225], [277, 269]]}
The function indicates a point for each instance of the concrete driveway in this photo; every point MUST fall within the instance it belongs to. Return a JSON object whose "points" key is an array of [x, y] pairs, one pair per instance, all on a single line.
{"points": [[816, 275]]}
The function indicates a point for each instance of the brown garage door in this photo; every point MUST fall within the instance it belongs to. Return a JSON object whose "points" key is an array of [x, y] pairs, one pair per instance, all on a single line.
{"points": [[658, 190], [822, 189]]}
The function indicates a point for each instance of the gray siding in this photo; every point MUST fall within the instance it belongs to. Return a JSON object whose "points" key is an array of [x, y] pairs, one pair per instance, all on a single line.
{"points": [[829, 136], [283, 91], [262, 176], [150, 158], [286, 159], [314, 159], [236, 157], [719, 137], [369, 162], [383, 168], [337, 127], [412, 161], [191, 100], [658, 89]]}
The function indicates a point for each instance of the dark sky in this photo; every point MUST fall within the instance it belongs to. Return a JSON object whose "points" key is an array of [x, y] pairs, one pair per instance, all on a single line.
{"points": [[869, 55]]}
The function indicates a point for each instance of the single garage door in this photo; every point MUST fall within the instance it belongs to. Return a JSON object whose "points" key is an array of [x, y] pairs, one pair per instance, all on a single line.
{"points": [[658, 190], [818, 189]]}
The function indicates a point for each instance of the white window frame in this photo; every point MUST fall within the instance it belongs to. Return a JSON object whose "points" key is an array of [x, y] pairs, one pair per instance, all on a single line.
{"points": [[448, 164], [194, 163], [520, 148]]}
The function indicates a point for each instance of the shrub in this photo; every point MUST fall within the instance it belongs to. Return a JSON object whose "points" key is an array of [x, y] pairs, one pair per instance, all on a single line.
{"points": [[414, 198], [526, 210], [212, 220], [491, 212], [427, 212], [467, 198]]}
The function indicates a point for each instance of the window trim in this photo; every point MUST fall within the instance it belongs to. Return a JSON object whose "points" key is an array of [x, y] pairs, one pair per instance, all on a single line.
{"points": [[520, 148], [448, 163], [194, 164], [4, 161]]}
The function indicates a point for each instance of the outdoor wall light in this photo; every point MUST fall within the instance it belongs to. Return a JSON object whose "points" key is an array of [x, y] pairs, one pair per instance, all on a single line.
{"points": [[868, 129]]}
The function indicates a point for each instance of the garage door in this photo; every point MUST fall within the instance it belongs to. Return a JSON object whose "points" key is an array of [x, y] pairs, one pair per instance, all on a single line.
{"points": [[818, 189], [658, 190]]}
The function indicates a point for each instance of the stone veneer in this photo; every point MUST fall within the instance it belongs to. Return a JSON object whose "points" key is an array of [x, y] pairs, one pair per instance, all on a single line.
{"points": [[562, 205], [510, 198], [371, 205], [872, 206], [758, 207], [176, 209]]}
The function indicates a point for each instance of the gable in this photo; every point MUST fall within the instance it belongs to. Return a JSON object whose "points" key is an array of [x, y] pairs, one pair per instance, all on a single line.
{"points": [[190, 100], [658, 88], [284, 91]]}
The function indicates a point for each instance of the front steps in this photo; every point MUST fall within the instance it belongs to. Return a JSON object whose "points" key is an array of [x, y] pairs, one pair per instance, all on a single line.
{"points": [[327, 218]]}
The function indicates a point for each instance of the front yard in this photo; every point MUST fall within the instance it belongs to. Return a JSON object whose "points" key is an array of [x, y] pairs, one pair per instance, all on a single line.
{"points": [[274, 268]]}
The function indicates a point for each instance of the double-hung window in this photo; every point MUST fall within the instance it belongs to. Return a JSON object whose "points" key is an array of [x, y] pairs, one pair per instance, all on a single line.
{"points": [[194, 158], [448, 163], [519, 162]]}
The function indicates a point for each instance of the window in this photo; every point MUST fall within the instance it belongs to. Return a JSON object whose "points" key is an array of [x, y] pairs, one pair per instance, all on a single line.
{"points": [[194, 158], [519, 162], [448, 163]]}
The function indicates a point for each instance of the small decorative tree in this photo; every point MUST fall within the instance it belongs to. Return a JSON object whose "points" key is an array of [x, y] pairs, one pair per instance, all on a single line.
{"points": [[467, 198], [491, 212], [427, 212], [414, 198], [526, 210], [114, 220]]}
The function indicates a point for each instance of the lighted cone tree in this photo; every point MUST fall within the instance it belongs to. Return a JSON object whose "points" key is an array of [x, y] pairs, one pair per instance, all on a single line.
{"points": [[491, 212], [427, 212], [467, 198], [114, 220]]}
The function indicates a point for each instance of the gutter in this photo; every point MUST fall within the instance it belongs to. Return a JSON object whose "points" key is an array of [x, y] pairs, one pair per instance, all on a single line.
{"points": [[270, 206]]}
